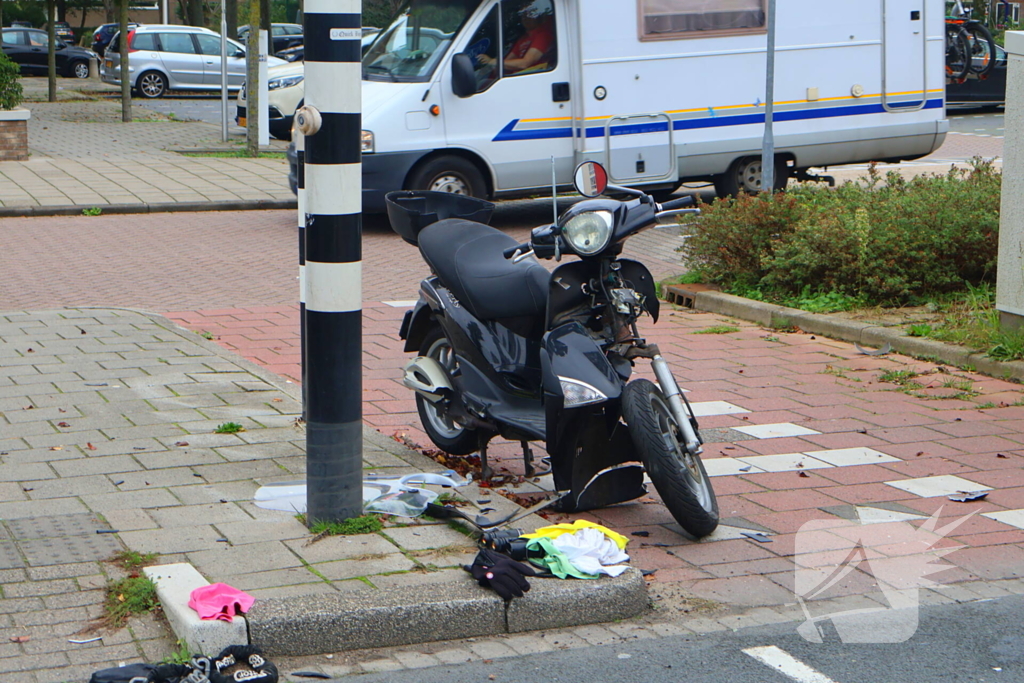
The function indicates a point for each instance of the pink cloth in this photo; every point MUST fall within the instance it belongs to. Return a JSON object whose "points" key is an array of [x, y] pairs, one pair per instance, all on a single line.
{"points": [[219, 601]]}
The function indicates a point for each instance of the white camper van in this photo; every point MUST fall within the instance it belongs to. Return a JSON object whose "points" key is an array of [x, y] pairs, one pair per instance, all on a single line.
{"points": [[482, 96]]}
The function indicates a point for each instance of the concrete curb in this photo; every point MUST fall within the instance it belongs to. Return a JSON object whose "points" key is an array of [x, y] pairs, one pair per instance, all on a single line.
{"points": [[174, 586], [867, 334], [314, 624], [163, 207]]}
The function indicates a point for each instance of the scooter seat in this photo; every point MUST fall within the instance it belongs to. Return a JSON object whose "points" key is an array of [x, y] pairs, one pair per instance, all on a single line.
{"points": [[467, 259]]}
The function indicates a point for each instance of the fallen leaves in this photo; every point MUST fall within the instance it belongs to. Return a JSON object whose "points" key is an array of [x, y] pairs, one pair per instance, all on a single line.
{"points": [[20, 639]]}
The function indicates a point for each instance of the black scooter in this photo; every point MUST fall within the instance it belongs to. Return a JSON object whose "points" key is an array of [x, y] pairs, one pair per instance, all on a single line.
{"points": [[507, 348]]}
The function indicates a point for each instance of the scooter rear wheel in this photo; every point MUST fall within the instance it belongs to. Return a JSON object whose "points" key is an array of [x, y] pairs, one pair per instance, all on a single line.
{"points": [[446, 434], [678, 475]]}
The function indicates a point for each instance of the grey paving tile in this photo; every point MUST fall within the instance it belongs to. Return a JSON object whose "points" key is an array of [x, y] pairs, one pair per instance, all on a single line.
{"points": [[36, 508], [249, 558], [256, 531], [205, 494], [179, 457], [69, 486], [108, 464], [188, 515], [425, 537], [341, 547], [174, 540], [126, 500], [350, 569], [260, 451], [27, 472]]}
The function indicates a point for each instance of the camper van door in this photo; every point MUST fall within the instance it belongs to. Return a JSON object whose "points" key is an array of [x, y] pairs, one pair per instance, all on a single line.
{"points": [[521, 114]]}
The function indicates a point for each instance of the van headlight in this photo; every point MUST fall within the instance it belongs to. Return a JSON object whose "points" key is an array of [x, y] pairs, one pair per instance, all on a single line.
{"points": [[367, 146], [284, 82], [588, 233]]}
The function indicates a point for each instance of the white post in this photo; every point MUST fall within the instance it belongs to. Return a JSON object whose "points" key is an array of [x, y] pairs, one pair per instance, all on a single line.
{"points": [[264, 110], [223, 72], [1010, 267]]}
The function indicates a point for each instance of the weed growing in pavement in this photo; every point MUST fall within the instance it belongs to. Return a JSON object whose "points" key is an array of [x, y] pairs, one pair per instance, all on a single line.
{"points": [[92, 211], [718, 329], [234, 154], [919, 330], [130, 559], [971, 319], [229, 428], [903, 378], [838, 371], [205, 335], [366, 524], [180, 656], [131, 595], [771, 338], [984, 406]]}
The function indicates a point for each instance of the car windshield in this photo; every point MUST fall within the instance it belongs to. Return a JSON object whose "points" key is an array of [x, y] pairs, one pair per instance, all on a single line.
{"points": [[411, 47]]}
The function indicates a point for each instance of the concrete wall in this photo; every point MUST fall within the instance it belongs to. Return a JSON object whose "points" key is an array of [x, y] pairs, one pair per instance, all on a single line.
{"points": [[1010, 280]]}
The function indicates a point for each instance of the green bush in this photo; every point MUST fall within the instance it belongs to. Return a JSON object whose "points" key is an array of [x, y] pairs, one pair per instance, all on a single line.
{"points": [[875, 242], [10, 87]]}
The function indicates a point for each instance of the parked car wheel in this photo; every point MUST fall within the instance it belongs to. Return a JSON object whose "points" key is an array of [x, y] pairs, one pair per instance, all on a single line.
{"points": [[744, 175], [151, 84], [449, 174], [80, 69]]}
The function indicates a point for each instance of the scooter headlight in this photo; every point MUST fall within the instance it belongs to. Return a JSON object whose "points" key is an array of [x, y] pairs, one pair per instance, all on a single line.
{"points": [[579, 393], [588, 233]]}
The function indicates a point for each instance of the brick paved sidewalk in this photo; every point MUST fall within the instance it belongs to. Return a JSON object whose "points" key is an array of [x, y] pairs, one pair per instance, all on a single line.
{"points": [[800, 428], [107, 442]]}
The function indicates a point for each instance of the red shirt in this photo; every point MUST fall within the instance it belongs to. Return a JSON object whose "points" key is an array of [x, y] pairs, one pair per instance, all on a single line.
{"points": [[541, 38]]}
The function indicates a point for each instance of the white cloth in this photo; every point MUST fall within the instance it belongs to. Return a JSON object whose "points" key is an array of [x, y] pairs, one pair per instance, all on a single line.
{"points": [[592, 552]]}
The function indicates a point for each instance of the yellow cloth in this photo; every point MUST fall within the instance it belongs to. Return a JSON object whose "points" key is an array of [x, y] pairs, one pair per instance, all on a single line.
{"points": [[556, 530]]}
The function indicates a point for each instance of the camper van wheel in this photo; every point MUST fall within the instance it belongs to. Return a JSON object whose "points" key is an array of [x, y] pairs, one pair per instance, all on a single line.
{"points": [[744, 175], [448, 174]]}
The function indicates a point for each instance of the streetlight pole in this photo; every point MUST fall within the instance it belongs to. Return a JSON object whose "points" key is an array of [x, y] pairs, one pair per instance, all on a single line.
{"points": [[331, 120], [223, 72], [768, 142]]}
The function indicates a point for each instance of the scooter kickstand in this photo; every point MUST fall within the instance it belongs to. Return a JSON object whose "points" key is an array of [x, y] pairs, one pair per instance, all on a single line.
{"points": [[528, 459], [485, 470]]}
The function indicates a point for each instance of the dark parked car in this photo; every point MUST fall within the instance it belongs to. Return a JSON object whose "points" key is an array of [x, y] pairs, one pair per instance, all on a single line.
{"points": [[104, 33], [28, 48], [989, 91], [282, 36], [21, 24], [62, 30]]}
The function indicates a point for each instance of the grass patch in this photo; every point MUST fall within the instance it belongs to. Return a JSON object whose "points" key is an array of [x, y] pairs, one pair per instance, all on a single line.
{"points": [[205, 335], [180, 656], [229, 428], [131, 560], [129, 596], [92, 211], [366, 524], [838, 371], [718, 329], [971, 319], [234, 154]]}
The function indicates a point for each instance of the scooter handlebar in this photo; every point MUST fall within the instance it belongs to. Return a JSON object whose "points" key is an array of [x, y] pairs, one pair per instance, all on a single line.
{"points": [[521, 248], [677, 204]]}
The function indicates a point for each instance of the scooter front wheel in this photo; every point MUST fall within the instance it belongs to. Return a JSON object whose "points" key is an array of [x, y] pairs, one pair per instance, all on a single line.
{"points": [[446, 434], [678, 475]]}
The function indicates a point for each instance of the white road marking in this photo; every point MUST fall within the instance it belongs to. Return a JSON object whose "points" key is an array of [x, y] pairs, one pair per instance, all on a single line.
{"points": [[786, 664]]}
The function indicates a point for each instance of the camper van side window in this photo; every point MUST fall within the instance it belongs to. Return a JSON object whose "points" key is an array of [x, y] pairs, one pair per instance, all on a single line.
{"points": [[483, 48], [528, 34], [675, 19]]}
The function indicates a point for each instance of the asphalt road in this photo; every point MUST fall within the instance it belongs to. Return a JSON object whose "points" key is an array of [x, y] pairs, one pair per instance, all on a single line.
{"points": [[981, 642], [977, 122]]}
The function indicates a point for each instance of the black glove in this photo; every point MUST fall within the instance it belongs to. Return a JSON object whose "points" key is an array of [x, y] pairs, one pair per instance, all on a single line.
{"points": [[500, 573]]}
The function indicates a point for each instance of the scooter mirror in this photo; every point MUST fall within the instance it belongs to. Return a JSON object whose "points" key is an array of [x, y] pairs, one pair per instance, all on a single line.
{"points": [[590, 179]]}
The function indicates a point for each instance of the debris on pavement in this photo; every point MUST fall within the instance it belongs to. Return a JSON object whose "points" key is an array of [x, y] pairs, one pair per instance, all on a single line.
{"points": [[756, 536], [874, 352], [968, 496]]}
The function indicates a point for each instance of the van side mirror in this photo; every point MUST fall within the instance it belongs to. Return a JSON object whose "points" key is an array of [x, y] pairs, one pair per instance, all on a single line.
{"points": [[463, 75]]}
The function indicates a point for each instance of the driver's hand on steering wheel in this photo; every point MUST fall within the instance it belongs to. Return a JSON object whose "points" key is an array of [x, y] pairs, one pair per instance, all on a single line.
{"points": [[485, 60]]}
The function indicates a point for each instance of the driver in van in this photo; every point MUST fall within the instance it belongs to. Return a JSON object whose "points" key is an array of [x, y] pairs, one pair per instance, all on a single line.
{"points": [[537, 41]]}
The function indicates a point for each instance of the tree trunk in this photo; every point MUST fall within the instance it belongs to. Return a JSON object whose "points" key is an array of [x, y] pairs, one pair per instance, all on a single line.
{"points": [[1, 12], [231, 10], [110, 11], [252, 89], [62, 10], [51, 55], [195, 13], [126, 87], [265, 23]]}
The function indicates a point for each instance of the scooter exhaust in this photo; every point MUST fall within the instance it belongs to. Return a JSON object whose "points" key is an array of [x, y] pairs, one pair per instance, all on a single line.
{"points": [[427, 378]]}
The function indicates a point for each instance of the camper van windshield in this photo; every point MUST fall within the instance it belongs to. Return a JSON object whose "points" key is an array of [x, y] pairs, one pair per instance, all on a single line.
{"points": [[410, 49]]}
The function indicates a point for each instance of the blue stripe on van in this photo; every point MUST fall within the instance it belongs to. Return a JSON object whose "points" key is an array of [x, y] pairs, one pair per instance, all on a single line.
{"points": [[509, 132]]}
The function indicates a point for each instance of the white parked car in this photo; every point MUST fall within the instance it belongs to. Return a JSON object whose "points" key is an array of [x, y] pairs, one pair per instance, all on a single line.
{"points": [[285, 93], [171, 57]]}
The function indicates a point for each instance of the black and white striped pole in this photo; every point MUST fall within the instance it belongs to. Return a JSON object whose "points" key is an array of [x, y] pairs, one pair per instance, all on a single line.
{"points": [[300, 195], [332, 123]]}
